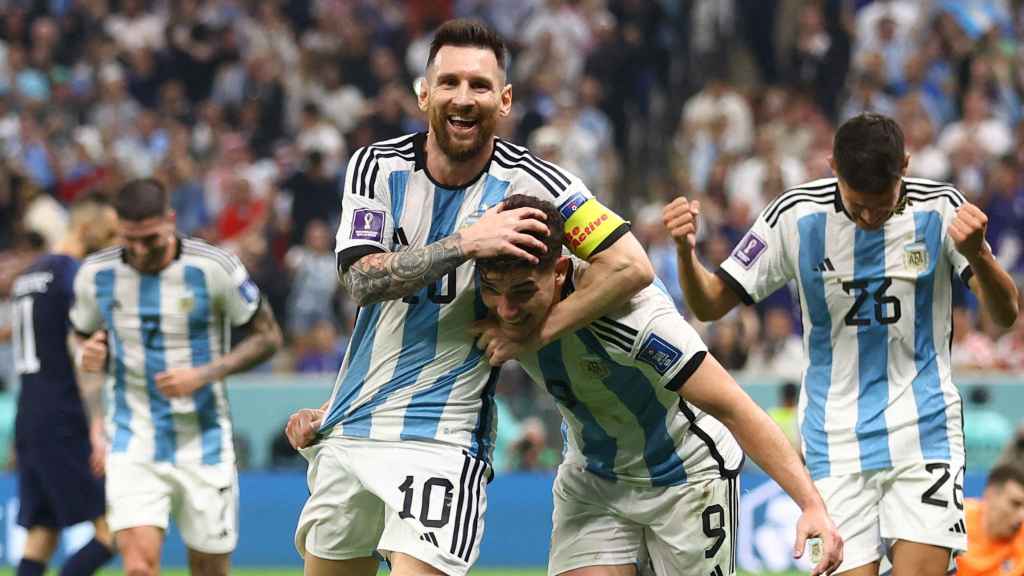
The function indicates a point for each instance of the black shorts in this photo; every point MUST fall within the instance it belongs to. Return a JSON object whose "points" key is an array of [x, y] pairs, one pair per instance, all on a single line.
{"points": [[55, 485]]}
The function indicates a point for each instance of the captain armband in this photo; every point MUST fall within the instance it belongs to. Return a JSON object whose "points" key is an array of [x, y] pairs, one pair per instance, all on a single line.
{"points": [[588, 225]]}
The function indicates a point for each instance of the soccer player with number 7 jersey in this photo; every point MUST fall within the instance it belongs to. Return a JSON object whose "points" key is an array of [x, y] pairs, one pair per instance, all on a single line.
{"points": [[873, 254]]}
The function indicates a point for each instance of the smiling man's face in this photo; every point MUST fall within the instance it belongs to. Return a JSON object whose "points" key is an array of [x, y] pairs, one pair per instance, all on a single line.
{"points": [[465, 95], [521, 297]]}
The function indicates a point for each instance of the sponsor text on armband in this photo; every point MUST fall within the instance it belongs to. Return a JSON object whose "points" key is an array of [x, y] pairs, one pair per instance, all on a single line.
{"points": [[587, 224]]}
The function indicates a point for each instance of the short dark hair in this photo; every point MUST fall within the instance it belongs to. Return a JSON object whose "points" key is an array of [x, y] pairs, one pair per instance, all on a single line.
{"points": [[790, 392], [868, 151], [552, 240], [468, 32], [980, 395], [1005, 472], [142, 199]]}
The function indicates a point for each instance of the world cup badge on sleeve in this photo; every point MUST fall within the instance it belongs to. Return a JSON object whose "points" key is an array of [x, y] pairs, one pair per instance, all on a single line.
{"points": [[749, 249], [368, 225]]}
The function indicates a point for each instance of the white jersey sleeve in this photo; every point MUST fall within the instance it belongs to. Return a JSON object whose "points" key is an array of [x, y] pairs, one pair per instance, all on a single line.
{"points": [[85, 315], [759, 264], [238, 294], [956, 259], [670, 346], [366, 220]]}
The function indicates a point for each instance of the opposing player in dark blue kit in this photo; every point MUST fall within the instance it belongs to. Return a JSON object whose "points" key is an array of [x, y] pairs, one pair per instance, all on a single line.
{"points": [[60, 453]]}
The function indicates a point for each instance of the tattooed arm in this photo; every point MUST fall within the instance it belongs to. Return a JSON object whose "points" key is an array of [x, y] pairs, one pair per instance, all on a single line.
{"points": [[392, 275], [263, 339]]}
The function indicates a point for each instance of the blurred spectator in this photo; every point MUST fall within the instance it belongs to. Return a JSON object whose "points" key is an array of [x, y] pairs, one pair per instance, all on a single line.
{"points": [[508, 436], [727, 342], [314, 280], [780, 351], [318, 135], [142, 148], [866, 94], [188, 199], [977, 128], [315, 195], [926, 159], [756, 181], [531, 452], [986, 431], [321, 350], [1010, 348], [972, 349], [243, 213], [1003, 203], [784, 414], [820, 57]]}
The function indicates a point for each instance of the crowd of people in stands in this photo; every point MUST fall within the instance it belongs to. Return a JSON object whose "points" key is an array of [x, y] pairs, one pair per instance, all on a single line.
{"points": [[249, 111]]}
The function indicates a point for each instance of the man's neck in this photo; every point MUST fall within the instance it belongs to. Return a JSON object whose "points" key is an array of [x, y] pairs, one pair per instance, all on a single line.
{"points": [[450, 173], [70, 246]]}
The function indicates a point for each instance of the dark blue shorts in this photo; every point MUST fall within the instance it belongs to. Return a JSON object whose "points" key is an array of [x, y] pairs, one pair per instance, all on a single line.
{"points": [[55, 485]]}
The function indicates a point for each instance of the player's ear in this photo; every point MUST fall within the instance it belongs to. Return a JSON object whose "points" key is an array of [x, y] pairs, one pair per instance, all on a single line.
{"points": [[506, 101], [906, 164], [832, 164], [420, 86], [561, 269]]}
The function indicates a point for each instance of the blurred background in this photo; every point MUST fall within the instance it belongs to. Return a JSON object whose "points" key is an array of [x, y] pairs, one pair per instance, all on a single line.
{"points": [[248, 110]]}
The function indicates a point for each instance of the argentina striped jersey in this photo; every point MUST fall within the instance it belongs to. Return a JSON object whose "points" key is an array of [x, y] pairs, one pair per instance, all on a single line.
{"points": [[615, 383], [411, 369], [180, 317], [876, 310]]}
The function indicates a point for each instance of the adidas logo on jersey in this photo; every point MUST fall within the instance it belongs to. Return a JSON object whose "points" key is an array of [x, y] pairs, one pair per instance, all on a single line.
{"points": [[959, 527], [429, 538], [825, 266]]}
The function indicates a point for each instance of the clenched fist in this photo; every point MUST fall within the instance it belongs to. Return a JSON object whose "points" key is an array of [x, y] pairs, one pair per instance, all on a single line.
{"points": [[303, 426], [92, 355], [680, 217], [968, 231]]}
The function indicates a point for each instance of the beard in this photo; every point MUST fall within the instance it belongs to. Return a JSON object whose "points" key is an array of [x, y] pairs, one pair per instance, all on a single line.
{"points": [[461, 150]]}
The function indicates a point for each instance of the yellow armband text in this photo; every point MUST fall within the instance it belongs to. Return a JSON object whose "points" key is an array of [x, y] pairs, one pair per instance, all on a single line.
{"points": [[590, 224]]}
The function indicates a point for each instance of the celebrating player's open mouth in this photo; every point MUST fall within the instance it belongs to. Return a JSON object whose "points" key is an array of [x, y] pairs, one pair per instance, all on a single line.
{"points": [[461, 124]]}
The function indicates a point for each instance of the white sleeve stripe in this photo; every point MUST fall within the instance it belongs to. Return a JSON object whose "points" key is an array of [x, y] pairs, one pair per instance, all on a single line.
{"points": [[924, 191], [624, 327], [511, 165], [362, 179], [518, 152], [356, 160], [225, 260], [815, 185], [924, 182], [611, 338], [824, 200], [920, 198]]}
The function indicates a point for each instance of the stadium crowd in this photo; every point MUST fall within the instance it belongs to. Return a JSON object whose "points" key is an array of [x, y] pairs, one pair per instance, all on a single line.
{"points": [[247, 110]]}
